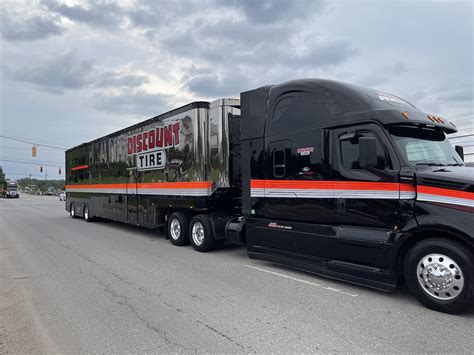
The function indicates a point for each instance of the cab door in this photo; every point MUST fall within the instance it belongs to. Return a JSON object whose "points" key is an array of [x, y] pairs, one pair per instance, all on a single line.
{"points": [[368, 205]]}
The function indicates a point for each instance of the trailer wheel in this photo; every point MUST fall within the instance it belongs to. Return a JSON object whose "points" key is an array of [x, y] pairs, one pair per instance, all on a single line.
{"points": [[178, 229], [72, 211], [201, 234], [440, 273], [87, 215]]}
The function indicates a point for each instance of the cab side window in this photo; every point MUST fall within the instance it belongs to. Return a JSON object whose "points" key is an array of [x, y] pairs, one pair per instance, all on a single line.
{"points": [[349, 149]]}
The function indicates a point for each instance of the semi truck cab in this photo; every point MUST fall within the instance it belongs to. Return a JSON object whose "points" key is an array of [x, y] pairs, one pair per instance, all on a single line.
{"points": [[10, 189], [357, 185]]}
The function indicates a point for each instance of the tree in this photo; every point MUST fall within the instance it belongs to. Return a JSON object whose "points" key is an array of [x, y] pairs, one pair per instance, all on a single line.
{"points": [[2, 176]]}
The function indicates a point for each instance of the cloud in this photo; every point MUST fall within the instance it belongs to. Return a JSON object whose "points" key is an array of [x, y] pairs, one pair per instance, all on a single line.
{"points": [[65, 72], [30, 28], [101, 14], [459, 94], [118, 79], [209, 83], [265, 65], [140, 103], [272, 11], [384, 74], [322, 55], [68, 72]]}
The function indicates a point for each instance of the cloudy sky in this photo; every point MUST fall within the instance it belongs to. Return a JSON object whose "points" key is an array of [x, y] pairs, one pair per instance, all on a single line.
{"points": [[72, 71]]}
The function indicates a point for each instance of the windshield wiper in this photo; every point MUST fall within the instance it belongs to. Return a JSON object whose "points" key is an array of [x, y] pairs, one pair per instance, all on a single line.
{"points": [[430, 164], [456, 164]]}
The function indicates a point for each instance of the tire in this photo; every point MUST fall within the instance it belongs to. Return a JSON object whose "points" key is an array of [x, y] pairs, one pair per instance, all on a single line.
{"points": [[87, 214], [72, 211], [440, 274], [177, 229], [201, 234]]}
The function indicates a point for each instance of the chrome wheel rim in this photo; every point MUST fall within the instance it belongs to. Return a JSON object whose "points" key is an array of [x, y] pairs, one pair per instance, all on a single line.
{"points": [[86, 213], [72, 211], [198, 233], [440, 276], [175, 229]]}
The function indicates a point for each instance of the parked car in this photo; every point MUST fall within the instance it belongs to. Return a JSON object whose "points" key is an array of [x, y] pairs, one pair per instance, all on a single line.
{"points": [[62, 196]]}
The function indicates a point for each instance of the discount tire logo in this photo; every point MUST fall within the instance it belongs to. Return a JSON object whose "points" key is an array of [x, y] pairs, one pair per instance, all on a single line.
{"points": [[151, 160]]}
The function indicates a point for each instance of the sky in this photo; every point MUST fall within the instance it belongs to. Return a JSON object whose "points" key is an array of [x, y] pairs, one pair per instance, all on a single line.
{"points": [[72, 71]]}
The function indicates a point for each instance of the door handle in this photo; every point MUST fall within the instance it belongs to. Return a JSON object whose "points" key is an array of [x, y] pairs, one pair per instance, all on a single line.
{"points": [[341, 204]]}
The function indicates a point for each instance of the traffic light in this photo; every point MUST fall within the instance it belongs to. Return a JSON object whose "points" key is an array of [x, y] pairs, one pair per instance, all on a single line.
{"points": [[33, 151], [59, 171], [41, 168]]}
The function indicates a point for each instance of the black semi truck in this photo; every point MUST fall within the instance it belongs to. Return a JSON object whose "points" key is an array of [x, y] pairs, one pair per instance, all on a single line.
{"points": [[10, 189], [342, 181]]}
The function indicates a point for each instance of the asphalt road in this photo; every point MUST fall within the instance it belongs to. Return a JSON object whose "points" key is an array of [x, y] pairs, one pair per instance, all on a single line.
{"points": [[67, 286]]}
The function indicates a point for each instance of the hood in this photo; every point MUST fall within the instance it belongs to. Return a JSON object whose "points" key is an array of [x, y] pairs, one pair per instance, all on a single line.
{"points": [[446, 184]]}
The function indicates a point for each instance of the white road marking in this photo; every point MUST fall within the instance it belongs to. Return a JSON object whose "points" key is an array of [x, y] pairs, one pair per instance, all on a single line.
{"points": [[302, 281]]}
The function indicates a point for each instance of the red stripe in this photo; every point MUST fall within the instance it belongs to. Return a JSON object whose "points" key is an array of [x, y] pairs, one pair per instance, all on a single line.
{"points": [[80, 167], [150, 185], [445, 192], [407, 188], [326, 185]]}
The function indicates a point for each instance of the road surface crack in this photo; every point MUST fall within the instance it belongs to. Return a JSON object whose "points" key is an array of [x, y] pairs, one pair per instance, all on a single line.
{"points": [[126, 301], [225, 336], [25, 277]]}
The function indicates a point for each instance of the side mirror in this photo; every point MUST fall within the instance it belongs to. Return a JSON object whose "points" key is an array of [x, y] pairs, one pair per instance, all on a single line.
{"points": [[460, 150], [367, 152]]}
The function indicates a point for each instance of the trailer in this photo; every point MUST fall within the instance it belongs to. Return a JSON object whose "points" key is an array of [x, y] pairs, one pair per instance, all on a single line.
{"points": [[163, 171], [342, 181]]}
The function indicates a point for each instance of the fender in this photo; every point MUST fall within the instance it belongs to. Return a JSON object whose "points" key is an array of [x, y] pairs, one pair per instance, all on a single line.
{"points": [[441, 217]]}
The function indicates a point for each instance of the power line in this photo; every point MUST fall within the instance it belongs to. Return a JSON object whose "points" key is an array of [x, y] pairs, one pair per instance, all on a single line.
{"points": [[54, 165], [38, 175], [24, 148], [37, 144], [30, 161]]}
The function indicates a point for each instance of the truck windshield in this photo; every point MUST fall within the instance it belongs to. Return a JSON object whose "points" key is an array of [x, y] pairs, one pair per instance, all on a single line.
{"points": [[12, 188], [424, 146]]}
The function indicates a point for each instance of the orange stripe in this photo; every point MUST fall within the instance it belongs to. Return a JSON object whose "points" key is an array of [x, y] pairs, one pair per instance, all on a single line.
{"points": [[151, 185], [324, 185], [257, 184], [445, 192], [407, 188]]}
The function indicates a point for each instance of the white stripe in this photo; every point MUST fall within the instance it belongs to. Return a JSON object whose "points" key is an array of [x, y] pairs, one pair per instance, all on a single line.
{"points": [[445, 199], [407, 195], [325, 193], [142, 191], [328, 288]]}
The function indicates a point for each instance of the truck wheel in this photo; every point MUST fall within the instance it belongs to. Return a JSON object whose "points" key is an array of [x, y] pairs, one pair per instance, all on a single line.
{"points": [[440, 273], [201, 234], [87, 215], [72, 212], [178, 229]]}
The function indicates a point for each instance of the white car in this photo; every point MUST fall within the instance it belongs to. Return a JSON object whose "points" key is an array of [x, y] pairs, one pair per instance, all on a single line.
{"points": [[62, 196]]}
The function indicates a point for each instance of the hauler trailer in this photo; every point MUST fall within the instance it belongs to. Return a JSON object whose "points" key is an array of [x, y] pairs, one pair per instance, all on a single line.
{"points": [[335, 179]]}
